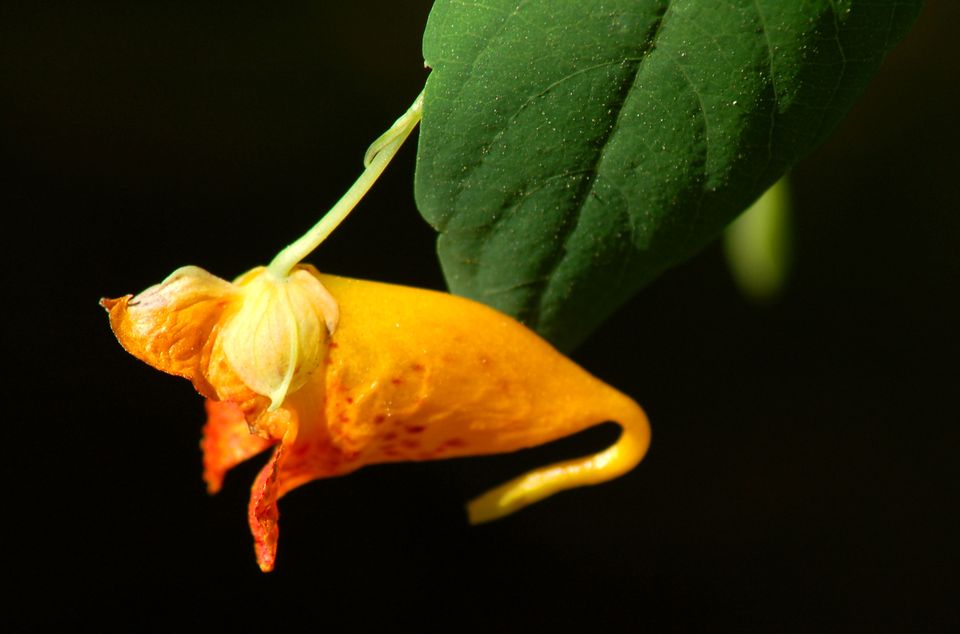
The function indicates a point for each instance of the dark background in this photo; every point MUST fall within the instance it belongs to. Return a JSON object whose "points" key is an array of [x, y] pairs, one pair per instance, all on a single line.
{"points": [[803, 473]]}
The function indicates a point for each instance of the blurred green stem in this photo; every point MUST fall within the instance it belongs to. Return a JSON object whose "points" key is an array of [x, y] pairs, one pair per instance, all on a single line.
{"points": [[758, 245]]}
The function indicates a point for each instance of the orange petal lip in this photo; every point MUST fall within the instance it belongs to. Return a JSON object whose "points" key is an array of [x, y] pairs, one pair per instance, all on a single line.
{"points": [[227, 442]]}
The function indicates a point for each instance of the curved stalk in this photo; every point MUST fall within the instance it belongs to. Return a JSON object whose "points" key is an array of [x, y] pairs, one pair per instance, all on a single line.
{"points": [[376, 159]]}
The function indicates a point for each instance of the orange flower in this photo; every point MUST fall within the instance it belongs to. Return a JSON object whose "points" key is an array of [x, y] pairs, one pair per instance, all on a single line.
{"points": [[336, 373]]}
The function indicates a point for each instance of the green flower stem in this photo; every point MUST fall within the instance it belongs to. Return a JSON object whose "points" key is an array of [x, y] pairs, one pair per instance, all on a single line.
{"points": [[377, 158]]}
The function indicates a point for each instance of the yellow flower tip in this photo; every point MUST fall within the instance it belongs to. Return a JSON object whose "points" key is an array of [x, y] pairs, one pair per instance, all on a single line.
{"points": [[276, 339]]}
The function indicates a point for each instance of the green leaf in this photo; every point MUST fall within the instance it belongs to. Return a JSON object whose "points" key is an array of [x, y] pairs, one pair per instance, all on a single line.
{"points": [[571, 150]]}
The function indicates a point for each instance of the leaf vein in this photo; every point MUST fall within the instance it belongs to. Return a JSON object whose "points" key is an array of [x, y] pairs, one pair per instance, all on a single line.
{"points": [[577, 211]]}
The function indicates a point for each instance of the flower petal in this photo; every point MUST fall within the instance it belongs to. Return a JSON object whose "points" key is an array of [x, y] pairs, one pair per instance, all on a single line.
{"points": [[263, 513], [227, 442], [169, 325]]}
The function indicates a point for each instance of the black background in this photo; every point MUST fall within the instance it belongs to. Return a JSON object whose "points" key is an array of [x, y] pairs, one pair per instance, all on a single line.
{"points": [[804, 467]]}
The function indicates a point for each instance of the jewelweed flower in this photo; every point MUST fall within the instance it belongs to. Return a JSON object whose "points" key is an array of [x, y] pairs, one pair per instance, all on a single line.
{"points": [[403, 374], [334, 373]]}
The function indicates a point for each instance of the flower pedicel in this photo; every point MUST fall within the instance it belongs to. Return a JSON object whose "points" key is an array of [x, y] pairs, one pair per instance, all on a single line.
{"points": [[336, 373]]}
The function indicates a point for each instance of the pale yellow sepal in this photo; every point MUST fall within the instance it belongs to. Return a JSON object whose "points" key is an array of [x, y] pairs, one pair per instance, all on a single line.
{"points": [[277, 337]]}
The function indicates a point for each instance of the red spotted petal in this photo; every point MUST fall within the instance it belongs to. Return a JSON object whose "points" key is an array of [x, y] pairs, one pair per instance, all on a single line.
{"points": [[263, 513]]}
